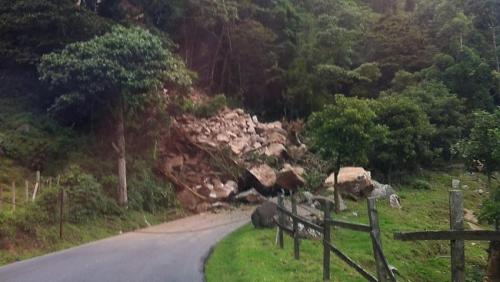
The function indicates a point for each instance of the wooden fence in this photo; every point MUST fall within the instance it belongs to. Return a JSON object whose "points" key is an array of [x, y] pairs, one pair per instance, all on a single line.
{"points": [[31, 191], [457, 236], [384, 272]]}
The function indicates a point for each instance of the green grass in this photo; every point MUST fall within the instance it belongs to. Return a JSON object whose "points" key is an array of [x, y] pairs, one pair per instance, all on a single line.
{"points": [[47, 237], [251, 255]]}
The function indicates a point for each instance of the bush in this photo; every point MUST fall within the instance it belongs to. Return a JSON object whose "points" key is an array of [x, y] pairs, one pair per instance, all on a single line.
{"points": [[206, 109], [491, 208], [149, 193], [86, 199], [421, 185]]}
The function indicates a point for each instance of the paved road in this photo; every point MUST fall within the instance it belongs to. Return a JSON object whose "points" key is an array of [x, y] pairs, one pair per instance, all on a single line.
{"points": [[174, 251]]}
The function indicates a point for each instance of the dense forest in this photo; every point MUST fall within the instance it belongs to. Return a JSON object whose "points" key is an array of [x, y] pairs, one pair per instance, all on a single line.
{"points": [[430, 64], [396, 86]]}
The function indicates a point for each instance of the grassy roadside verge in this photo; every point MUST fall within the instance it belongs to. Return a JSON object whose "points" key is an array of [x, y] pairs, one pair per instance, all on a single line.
{"points": [[47, 238], [250, 255]]}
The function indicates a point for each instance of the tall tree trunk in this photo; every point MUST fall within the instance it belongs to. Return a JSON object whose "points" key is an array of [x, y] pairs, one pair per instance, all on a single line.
{"points": [[336, 188], [122, 162], [494, 35]]}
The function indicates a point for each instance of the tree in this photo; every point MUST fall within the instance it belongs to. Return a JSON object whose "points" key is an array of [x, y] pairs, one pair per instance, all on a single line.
{"points": [[483, 143], [446, 113], [345, 131], [31, 28], [407, 142], [468, 75], [116, 72]]}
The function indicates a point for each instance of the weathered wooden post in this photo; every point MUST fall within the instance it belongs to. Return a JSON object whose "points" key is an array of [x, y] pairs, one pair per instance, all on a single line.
{"points": [[35, 190], [38, 180], [375, 236], [281, 221], [326, 240], [61, 210], [296, 240], [27, 190], [1, 197], [457, 246], [13, 196]]}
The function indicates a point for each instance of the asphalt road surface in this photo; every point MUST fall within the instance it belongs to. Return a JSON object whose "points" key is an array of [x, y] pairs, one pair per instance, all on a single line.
{"points": [[174, 251]]}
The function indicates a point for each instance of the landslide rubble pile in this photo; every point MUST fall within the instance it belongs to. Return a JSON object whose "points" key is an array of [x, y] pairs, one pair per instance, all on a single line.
{"points": [[230, 156]]}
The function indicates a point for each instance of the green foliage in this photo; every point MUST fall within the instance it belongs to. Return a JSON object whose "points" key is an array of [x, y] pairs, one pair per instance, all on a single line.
{"points": [[483, 143], [346, 131], [86, 200], [446, 112], [122, 64], [149, 193], [420, 184], [490, 211], [205, 109], [314, 179], [409, 134], [31, 28], [468, 75]]}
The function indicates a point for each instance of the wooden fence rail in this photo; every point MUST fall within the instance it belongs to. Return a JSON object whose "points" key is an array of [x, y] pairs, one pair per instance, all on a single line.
{"points": [[457, 235], [384, 273]]}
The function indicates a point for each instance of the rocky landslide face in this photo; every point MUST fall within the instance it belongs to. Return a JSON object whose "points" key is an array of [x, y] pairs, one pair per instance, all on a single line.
{"points": [[226, 157]]}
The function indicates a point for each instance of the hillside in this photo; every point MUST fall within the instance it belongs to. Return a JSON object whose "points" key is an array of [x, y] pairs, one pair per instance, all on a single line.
{"points": [[138, 111]]}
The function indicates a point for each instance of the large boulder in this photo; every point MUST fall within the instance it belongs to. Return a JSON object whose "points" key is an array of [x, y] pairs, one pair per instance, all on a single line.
{"points": [[354, 181], [264, 174], [290, 179], [263, 216]]}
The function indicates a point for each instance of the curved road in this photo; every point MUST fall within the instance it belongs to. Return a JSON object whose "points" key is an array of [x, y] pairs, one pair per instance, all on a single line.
{"points": [[173, 251]]}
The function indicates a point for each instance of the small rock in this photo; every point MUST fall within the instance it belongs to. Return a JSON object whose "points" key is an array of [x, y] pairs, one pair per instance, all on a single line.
{"points": [[251, 196], [394, 201], [330, 180], [355, 213], [231, 185], [480, 191], [222, 138], [275, 149]]}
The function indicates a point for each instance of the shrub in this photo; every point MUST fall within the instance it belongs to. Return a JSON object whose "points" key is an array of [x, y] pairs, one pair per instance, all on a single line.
{"points": [[149, 193], [86, 199], [491, 208], [421, 185], [205, 109]]}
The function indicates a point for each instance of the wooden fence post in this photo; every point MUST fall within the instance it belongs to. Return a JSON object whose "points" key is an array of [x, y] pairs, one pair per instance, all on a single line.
{"points": [[326, 240], [281, 220], [38, 179], [375, 236], [35, 190], [61, 212], [27, 190], [13, 196], [296, 241], [457, 246]]}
